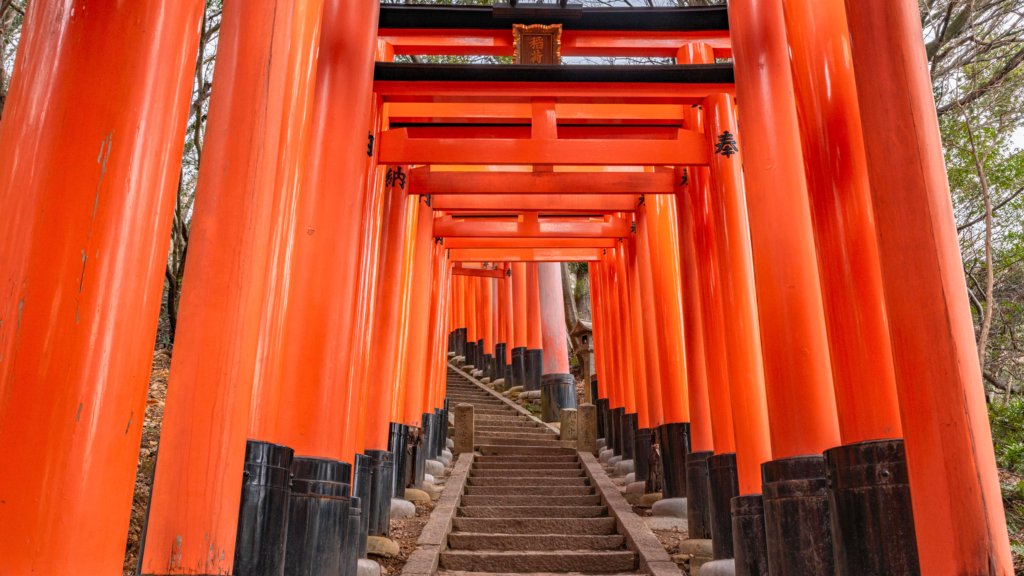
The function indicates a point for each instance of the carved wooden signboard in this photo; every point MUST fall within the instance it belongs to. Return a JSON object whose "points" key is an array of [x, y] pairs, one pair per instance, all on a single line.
{"points": [[537, 44]]}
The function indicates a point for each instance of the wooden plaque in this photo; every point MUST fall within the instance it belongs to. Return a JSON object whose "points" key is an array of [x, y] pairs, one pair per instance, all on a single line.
{"points": [[537, 44]]}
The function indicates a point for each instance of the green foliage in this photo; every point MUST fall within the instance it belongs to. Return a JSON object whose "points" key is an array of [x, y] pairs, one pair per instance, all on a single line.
{"points": [[1008, 434]]}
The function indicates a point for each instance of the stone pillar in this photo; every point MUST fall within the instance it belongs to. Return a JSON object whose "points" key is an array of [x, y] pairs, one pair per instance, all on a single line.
{"points": [[464, 441], [567, 419], [586, 428]]}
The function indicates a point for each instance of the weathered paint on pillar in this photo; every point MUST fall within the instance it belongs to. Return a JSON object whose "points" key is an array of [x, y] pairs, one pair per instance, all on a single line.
{"points": [[519, 305], [318, 338], [193, 515], [89, 154], [953, 477], [739, 301], [844, 222], [552, 313]]}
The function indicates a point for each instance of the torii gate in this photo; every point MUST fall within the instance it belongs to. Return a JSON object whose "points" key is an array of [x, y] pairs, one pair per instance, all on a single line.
{"points": [[766, 291]]}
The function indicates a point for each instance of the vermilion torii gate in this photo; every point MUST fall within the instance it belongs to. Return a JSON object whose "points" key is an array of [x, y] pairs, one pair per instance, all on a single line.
{"points": [[778, 297]]}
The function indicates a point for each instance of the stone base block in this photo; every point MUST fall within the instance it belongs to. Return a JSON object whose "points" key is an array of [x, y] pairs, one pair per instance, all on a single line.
{"points": [[667, 523], [630, 478], [634, 490], [719, 568], [674, 507], [605, 455], [381, 546], [402, 508], [435, 468], [601, 443], [649, 499], [367, 567], [623, 467], [614, 460], [450, 443], [417, 495]]}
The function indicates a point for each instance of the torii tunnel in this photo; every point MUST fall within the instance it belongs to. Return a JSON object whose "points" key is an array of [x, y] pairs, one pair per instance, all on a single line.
{"points": [[777, 293]]}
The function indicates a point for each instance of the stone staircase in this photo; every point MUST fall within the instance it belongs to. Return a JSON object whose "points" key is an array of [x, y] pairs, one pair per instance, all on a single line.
{"points": [[528, 507]]}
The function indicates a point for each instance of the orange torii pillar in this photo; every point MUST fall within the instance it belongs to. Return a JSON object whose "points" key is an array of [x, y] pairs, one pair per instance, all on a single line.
{"points": [[673, 432], [599, 378], [91, 141], [699, 230], [607, 340], [862, 365], [458, 297], [739, 473], [558, 387], [958, 511], [472, 286], [313, 361], [194, 512], [519, 325], [645, 324], [488, 321], [436, 357], [505, 331], [417, 377], [634, 379], [534, 361], [394, 278], [798, 371]]}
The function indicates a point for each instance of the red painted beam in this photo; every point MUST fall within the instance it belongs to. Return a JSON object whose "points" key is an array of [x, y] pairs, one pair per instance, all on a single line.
{"points": [[516, 203], [567, 132], [562, 92], [530, 226], [459, 270], [425, 181], [396, 147], [456, 243], [574, 42], [525, 254], [517, 112]]}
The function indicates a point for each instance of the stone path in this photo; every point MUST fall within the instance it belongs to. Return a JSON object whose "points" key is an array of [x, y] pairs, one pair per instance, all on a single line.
{"points": [[528, 506]]}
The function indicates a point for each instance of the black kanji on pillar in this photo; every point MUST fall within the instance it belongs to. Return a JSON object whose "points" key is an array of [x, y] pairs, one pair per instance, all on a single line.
{"points": [[395, 177], [726, 145]]}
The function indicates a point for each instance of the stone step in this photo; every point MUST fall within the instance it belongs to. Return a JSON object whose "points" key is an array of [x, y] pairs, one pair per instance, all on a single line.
{"points": [[529, 490], [475, 541], [525, 435], [531, 500], [513, 442], [580, 526], [531, 511], [526, 458], [528, 465], [506, 473], [504, 449], [517, 481], [522, 561], [464, 573], [521, 427]]}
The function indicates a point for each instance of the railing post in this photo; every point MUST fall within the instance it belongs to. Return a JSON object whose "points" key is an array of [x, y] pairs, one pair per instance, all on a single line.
{"points": [[568, 427], [586, 429]]}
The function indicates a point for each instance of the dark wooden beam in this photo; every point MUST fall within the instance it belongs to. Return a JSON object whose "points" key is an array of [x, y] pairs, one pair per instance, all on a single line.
{"points": [[622, 19]]}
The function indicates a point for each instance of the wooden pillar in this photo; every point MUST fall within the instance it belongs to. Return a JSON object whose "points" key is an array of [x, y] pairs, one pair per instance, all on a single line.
{"points": [[552, 314], [314, 357], [90, 155], [953, 476], [520, 321], [647, 323], [193, 517], [417, 379]]}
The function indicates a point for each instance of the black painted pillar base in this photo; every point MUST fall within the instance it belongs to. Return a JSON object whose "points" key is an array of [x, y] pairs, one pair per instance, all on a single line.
{"points": [[674, 444], [362, 488], [617, 416], [440, 432], [629, 426], [263, 511], [418, 458], [488, 366], [698, 495], [534, 369], [642, 442], [471, 353], [557, 391], [499, 360], [518, 367], [593, 390], [748, 537], [480, 363], [318, 513], [355, 544], [797, 520], [602, 419], [398, 438], [427, 424], [381, 484], [872, 521], [723, 486]]}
